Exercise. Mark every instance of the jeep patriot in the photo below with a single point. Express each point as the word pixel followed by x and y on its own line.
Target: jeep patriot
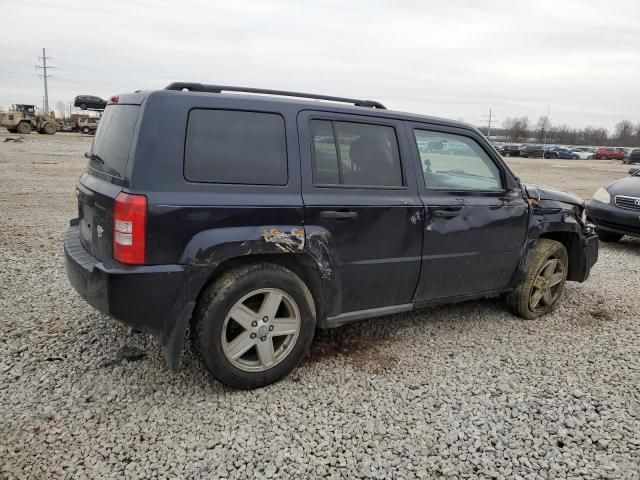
pixel 251 217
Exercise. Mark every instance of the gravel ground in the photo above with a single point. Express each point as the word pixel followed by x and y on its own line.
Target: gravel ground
pixel 462 391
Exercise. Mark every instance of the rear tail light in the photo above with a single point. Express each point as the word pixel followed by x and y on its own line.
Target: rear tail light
pixel 130 228
pixel 113 100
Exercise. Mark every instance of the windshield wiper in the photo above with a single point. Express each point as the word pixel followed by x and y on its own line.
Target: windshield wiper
pixel 94 156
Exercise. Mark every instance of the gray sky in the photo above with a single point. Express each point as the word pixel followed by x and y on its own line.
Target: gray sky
pixel 454 59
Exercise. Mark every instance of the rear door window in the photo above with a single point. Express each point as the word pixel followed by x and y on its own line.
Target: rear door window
pixel 112 144
pixel 236 147
pixel 355 154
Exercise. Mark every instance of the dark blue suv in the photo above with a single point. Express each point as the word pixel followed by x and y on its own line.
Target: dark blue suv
pixel 250 217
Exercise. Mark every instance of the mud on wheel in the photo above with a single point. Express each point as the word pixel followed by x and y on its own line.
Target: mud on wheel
pixel 541 290
pixel 253 325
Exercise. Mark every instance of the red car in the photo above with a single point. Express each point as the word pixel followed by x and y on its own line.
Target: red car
pixel 609 153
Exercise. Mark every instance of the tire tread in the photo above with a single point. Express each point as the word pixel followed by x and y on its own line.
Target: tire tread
pixel 518 299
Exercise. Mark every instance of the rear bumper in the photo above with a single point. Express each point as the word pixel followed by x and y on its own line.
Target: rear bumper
pixel 154 299
pixel 613 219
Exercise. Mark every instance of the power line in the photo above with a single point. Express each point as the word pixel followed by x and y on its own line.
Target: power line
pixel 45 76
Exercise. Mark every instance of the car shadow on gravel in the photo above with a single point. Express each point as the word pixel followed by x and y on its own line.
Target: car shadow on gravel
pixel 372 347
pixel 626 245
pixel 368 345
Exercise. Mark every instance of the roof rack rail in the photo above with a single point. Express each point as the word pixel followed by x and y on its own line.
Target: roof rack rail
pixel 199 87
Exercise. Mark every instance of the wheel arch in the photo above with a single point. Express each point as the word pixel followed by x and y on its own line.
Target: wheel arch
pixel 300 264
pixel 571 241
pixel 558 224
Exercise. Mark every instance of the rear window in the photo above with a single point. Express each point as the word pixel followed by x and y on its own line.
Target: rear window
pixel 113 139
pixel 227 146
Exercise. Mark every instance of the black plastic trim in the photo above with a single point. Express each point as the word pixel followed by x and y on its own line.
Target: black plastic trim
pixel 199 87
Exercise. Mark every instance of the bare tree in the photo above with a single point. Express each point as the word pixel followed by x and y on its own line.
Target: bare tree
pixel 61 109
pixel 507 125
pixel 593 136
pixel 624 133
pixel 542 127
pixel 519 129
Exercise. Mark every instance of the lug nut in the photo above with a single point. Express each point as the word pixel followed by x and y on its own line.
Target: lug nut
pixel 270 328
pixel 253 335
pixel 254 324
pixel 265 319
pixel 263 338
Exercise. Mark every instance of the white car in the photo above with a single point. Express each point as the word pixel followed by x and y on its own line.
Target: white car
pixel 582 155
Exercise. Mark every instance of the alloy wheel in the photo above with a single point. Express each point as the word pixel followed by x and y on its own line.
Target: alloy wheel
pixel 260 330
pixel 548 285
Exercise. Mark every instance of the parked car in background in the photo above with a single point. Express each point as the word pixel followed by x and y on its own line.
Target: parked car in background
pixel 609 153
pixel 562 153
pixel 510 151
pixel 627 151
pixel 531 151
pixel 88 124
pixel 634 156
pixel 582 153
pixel 227 215
pixel 615 208
pixel 89 101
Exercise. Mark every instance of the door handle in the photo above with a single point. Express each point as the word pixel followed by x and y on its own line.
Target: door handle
pixel 338 215
pixel 445 212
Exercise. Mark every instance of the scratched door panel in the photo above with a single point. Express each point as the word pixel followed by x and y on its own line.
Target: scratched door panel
pixel 475 214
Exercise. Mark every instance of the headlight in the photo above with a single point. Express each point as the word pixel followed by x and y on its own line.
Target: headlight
pixel 602 196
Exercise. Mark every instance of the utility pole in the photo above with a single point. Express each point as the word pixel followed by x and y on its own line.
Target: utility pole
pixel 544 141
pixel 489 118
pixel 44 67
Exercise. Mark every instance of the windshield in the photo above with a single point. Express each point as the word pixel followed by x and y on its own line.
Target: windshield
pixel 113 139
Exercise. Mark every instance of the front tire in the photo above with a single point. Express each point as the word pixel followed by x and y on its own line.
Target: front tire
pixel 254 325
pixel 609 236
pixel 86 130
pixel 541 289
pixel 23 128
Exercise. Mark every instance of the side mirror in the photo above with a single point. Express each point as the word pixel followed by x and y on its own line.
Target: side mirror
pixel 634 171
pixel 514 193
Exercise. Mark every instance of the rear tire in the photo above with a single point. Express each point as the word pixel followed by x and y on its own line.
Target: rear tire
pixel 609 236
pixel 507 154
pixel 86 130
pixel 23 128
pixel 542 287
pixel 253 325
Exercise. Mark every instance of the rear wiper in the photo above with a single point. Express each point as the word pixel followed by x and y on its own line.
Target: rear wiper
pixel 93 156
